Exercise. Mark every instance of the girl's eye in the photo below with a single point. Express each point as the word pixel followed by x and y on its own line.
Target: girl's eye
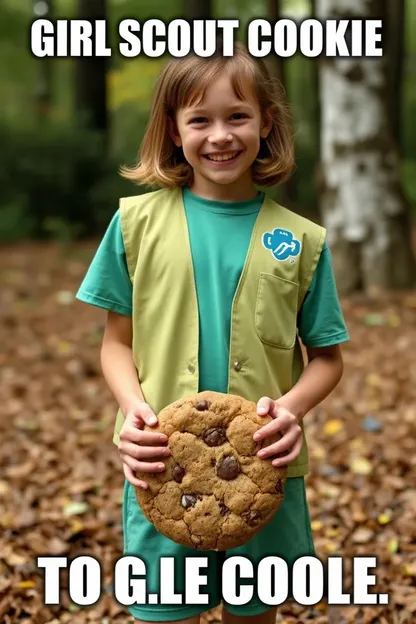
pixel 199 120
pixel 238 116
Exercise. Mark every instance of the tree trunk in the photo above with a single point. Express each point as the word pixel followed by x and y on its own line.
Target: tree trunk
pixel 198 9
pixel 316 100
pixel 362 202
pixel 395 55
pixel 44 10
pixel 287 191
pixel 91 73
pixel 274 8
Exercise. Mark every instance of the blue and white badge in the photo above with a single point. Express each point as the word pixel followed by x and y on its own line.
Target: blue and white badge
pixel 282 244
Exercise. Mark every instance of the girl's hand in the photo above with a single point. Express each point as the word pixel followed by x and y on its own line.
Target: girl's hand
pixel 139 449
pixel 285 423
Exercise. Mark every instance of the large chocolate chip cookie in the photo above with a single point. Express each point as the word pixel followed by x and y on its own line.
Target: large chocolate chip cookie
pixel 215 493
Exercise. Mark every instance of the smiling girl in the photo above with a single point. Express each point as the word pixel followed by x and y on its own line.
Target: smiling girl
pixel 211 285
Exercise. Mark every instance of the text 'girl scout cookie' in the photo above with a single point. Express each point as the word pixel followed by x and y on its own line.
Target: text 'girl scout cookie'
pixel 215 494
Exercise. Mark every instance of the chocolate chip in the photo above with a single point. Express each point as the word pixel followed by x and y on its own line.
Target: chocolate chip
pixel 251 517
pixel 228 468
pixel 213 462
pixel 178 473
pixel 202 406
pixel 279 487
pixel 188 500
pixel 214 436
pixel 223 509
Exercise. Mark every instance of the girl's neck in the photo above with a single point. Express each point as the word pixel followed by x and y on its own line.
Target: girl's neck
pixel 237 191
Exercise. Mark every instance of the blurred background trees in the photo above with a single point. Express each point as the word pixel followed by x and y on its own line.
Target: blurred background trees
pixel 198 9
pixel 362 200
pixel 91 74
pixel 66 125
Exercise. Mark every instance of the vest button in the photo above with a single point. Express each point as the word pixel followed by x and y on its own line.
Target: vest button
pixel 237 366
pixel 191 368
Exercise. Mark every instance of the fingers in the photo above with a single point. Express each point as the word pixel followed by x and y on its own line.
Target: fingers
pixel 148 415
pixel 283 421
pixel 287 459
pixel 146 438
pixel 142 413
pixel 143 466
pixel 287 442
pixel 265 405
pixel 131 478
pixel 269 429
pixel 286 423
pixel 144 452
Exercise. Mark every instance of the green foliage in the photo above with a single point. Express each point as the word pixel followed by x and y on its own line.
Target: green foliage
pixel 56 181
pixel 409 106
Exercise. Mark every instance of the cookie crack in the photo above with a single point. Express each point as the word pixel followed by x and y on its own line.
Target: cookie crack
pixel 201 437
pixel 188 529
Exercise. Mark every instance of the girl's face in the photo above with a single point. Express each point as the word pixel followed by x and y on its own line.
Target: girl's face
pixel 220 138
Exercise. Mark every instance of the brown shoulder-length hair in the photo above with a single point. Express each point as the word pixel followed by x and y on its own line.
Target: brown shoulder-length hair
pixel 182 83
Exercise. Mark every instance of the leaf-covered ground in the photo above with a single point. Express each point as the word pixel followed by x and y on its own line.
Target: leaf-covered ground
pixel 60 475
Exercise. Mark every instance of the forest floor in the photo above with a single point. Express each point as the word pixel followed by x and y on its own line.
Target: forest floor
pixel 61 479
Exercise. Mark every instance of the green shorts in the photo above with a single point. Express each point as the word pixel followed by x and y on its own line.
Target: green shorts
pixel 288 536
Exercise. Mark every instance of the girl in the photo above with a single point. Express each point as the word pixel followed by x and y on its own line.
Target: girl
pixel 210 285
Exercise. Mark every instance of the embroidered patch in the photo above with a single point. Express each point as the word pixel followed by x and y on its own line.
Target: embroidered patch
pixel 282 244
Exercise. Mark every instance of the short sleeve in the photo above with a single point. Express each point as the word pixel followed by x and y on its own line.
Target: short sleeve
pixel 107 282
pixel 320 320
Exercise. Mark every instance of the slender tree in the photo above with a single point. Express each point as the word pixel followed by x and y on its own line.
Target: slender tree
pixel 287 191
pixel 316 100
pixel 274 12
pixel 198 9
pixel 395 57
pixel 91 72
pixel 44 10
pixel 362 202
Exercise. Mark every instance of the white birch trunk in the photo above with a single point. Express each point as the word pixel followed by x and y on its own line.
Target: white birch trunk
pixel 362 204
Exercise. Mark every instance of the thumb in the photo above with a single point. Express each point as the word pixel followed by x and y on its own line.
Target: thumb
pixel 144 413
pixel 264 406
pixel 148 415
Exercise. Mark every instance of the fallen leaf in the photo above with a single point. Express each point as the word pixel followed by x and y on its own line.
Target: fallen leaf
pixel 26 584
pixel 75 508
pixel 394 320
pixel 370 423
pixel 374 320
pixel 333 426
pixel 409 569
pixel 373 380
pixel 65 297
pixel 64 347
pixel 316 525
pixel 393 546
pixel 362 535
pixel 384 518
pixel 14 559
pixel 4 488
pixel 331 547
pixel 361 466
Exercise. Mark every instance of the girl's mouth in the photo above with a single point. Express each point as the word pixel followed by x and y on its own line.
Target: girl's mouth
pixel 223 157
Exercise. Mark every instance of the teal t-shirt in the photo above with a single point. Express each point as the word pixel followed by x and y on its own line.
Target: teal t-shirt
pixel 219 234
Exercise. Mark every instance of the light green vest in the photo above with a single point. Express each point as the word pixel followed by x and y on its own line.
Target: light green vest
pixel 265 357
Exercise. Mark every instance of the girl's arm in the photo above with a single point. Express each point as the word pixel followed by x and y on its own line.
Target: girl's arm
pixel 320 377
pixel 117 361
pixel 139 450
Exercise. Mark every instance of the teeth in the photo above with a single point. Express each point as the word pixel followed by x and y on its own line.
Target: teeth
pixel 221 157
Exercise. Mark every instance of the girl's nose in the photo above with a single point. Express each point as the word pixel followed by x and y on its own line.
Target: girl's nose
pixel 220 134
